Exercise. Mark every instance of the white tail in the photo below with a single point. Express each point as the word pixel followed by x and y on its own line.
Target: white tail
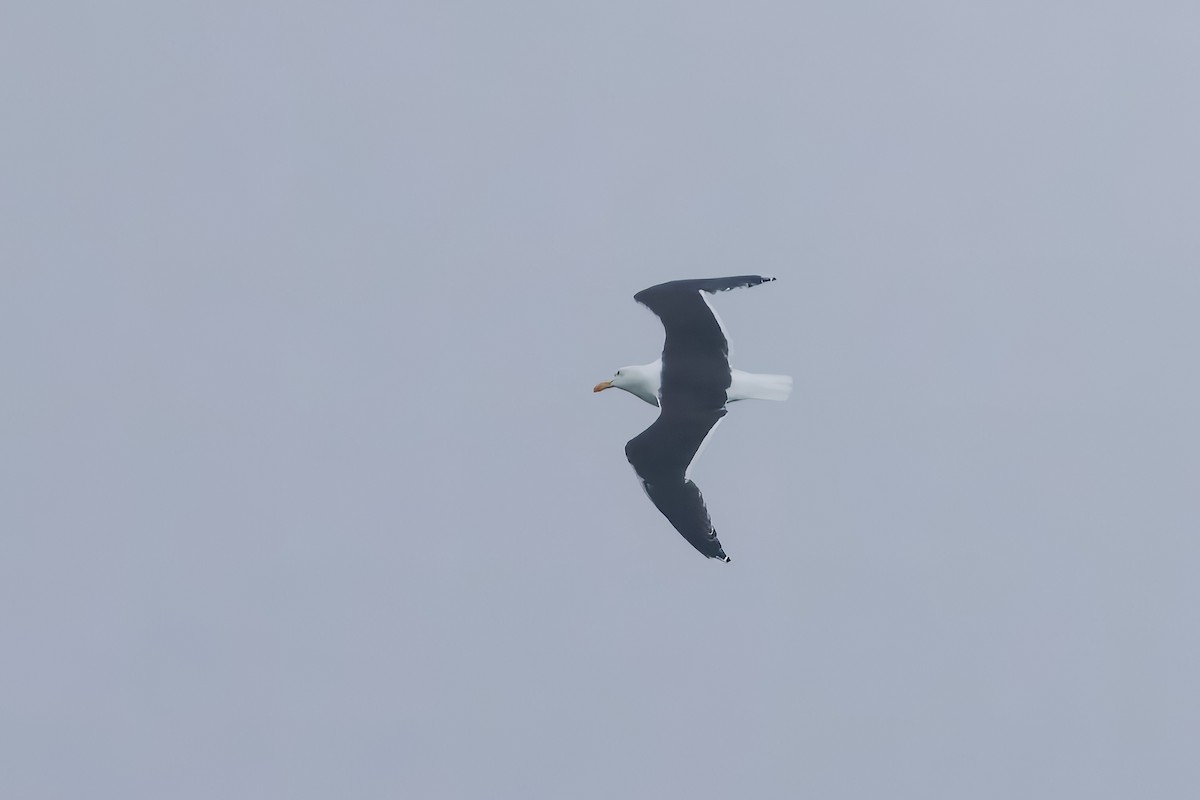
pixel 751 386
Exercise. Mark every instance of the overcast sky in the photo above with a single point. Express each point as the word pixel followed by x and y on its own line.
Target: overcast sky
pixel 304 492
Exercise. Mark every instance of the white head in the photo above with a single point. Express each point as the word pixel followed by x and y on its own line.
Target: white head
pixel 641 381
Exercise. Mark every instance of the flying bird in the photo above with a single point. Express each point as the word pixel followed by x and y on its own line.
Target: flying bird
pixel 690 383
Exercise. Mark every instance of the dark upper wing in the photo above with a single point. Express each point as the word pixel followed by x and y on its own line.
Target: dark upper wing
pixel 695 351
pixel 660 455
pixel 709 285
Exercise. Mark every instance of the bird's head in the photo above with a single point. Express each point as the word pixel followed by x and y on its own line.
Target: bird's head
pixel 642 381
pixel 621 379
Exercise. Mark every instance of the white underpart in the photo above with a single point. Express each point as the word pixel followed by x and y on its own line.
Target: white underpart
pixel 654 380
pixel 754 386
pixel 687 473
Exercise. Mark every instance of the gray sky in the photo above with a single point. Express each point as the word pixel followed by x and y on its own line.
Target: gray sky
pixel 304 492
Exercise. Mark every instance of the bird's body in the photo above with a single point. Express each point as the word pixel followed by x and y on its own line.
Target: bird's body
pixel 691 383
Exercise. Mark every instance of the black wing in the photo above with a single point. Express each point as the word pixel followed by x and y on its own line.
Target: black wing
pixel 695 352
pixel 661 455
